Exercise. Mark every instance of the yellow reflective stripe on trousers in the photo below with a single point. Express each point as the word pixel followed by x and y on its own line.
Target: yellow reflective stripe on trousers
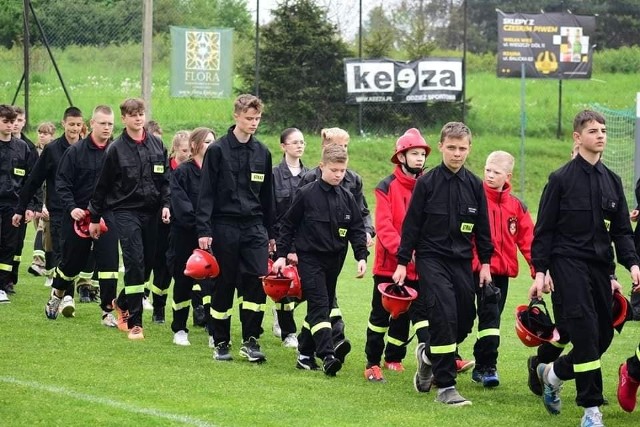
pixel 335 312
pixel 558 344
pixel 58 273
pixel 321 325
pixel 421 324
pixel 395 341
pixel 252 306
pixel 133 289
pixel 180 305
pixel 156 290
pixel 491 332
pixel 219 315
pixel 107 275
pixel 17 258
pixel 305 325
pixel 289 306
pixel 206 299
pixel 196 287
pixel 378 329
pixel 443 349
pixel 86 275
pixel 39 253
pixel 638 353
pixel 6 267
pixel 586 367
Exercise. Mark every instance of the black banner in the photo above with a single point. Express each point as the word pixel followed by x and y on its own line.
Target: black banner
pixel 387 81
pixel 550 45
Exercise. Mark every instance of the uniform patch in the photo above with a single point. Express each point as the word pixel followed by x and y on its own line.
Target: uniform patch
pixel 257 177
pixel 19 172
pixel 607 224
pixel 342 232
pixel 466 227
pixel 513 225
pixel 158 168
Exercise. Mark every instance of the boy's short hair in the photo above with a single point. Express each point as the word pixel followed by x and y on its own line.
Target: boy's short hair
pixel 19 110
pixel 72 112
pixel 103 109
pixel 197 137
pixel 132 106
pixel 245 102
pixel 181 135
pixel 8 112
pixel 506 160
pixel 153 127
pixel 584 117
pixel 330 135
pixel 455 130
pixel 334 153
pixel 47 127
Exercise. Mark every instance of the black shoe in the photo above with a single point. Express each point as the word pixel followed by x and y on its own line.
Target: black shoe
pixel 222 352
pixel 534 381
pixel 84 293
pixel 308 364
pixel 251 350
pixel 342 349
pixel 158 316
pixel 10 288
pixel 199 318
pixel 331 365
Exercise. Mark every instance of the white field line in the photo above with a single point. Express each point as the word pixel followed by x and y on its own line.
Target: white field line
pixel 108 402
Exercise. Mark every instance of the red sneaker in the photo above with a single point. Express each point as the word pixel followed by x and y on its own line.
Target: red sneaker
pixel 123 317
pixel 394 366
pixel 374 374
pixel 464 365
pixel 627 389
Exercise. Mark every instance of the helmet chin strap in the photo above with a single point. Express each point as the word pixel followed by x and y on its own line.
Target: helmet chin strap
pixel 414 171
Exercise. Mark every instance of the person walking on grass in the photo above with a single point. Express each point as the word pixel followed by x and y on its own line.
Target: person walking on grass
pixel 448 210
pixel 134 185
pixel 322 220
pixel 234 218
pixel 392 199
pixel 582 211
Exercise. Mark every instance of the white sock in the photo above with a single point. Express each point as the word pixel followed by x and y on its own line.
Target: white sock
pixel 592 410
pixel 552 378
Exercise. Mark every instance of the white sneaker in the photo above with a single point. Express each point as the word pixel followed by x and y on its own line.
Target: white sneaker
pixel 48 281
pixel 212 344
pixel 291 341
pixel 181 338
pixel 109 320
pixel 277 332
pixel 4 298
pixel 146 304
pixel 68 307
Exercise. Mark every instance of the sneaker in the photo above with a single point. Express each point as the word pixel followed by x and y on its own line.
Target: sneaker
pixel 158 316
pixel 534 382
pixel 4 298
pixel 37 270
pixel 550 393
pixel 627 389
pixel 342 349
pixel 451 397
pixel 331 365
pixel 592 420
pixel 109 320
pixel 123 316
pixel 307 363
pixel 52 308
pixel 85 296
pixel 181 338
pixel 212 343
pixel 477 374
pixel 222 352
pixel 374 374
pixel 394 366
pixel 136 333
pixel 146 304
pixel 68 307
pixel 251 350
pixel 48 281
pixel 490 378
pixel 291 341
pixel 464 365
pixel 277 332
pixel 199 318
pixel 423 379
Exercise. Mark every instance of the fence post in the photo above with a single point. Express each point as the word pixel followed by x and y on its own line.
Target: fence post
pixel 26 42
pixel 147 54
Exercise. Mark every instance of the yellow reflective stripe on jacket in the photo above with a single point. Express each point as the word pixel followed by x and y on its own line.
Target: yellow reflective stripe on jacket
pixel 378 329
pixel 156 290
pixel 107 275
pixel 252 306
pixel 206 299
pixel 558 344
pixel 180 305
pixel 6 267
pixel 395 341
pixel 586 367
pixel 490 332
pixel 321 325
pixel 421 324
pixel 443 349
pixel 134 289
pixel 305 325
pixel 58 273
pixel 17 258
pixel 335 312
pixel 289 306
pixel 196 287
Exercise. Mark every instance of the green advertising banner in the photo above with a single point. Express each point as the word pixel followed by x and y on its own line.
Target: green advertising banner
pixel 201 62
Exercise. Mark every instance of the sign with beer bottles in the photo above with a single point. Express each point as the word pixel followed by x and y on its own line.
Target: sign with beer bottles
pixel 550 45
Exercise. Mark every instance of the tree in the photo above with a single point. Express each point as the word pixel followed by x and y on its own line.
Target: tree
pixel 416 22
pixel 301 68
pixel 379 34
pixel 10 22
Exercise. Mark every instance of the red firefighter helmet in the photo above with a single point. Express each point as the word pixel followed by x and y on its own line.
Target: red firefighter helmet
pixel 396 299
pixel 202 265
pixel 81 227
pixel 411 139
pixel 291 271
pixel 276 286
pixel 620 307
pixel 534 325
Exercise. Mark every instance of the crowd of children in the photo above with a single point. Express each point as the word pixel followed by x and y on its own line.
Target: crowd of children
pixel 444 232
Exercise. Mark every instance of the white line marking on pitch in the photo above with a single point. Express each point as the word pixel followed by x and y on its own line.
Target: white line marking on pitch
pixel 108 402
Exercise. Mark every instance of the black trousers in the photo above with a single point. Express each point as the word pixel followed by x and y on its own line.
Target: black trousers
pixel 485 349
pixel 633 365
pixel 9 241
pixel 319 275
pixel 242 253
pixel 381 324
pixel 161 276
pixel 583 290
pixel 17 258
pixel 284 312
pixel 137 236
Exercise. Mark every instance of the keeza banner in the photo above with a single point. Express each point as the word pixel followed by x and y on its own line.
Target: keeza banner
pixel 201 63
pixel 550 45
pixel 385 80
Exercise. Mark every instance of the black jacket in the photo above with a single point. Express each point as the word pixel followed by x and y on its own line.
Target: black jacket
pixel 135 176
pixel 16 163
pixel 446 211
pixel 284 187
pixel 185 190
pixel 236 186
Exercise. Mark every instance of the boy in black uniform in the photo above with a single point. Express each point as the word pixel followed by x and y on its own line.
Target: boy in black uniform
pixel 582 211
pixel 77 175
pixel 16 162
pixel 134 184
pixel 234 217
pixel 448 209
pixel 322 218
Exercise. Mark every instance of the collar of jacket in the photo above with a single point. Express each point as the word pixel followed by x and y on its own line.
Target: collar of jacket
pixel 284 168
pixel 588 167
pixel 234 143
pixel 405 180
pixel 495 195
pixel 448 174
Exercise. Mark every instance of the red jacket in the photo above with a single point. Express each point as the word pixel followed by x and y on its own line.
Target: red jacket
pixel 511 228
pixel 392 200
